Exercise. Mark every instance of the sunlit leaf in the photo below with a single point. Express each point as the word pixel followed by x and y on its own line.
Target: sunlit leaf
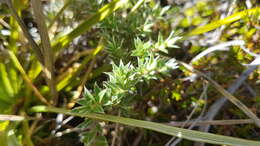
pixel 35 70
pixel 3 125
pixel 5 80
pixel 227 20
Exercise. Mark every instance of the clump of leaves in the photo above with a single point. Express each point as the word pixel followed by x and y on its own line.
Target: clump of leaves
pixel 121 29
pixel 134 62
pixel 124 77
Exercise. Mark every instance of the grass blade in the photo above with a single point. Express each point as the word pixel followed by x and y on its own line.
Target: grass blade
pixel 137 5
pixel 48 67
pixel 162 128
pixel 35 69
pixel 227 20
pixel 19 67
pixel 34 45
pixel 5 81
pixel 4 97
pixel 87 24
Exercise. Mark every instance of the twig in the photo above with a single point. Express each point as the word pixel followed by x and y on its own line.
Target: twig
pixel 41 125
pixel 215 108
pixel 86 76
pixel 138 138
pixel 26 78
pixel 76 57
pixel 61 123
pixel 77 71
pixel 2 22
pixel 81 87
pixel 11 118
pixel 226 94
pixel 251 91
pixel 248 51
pixel 116 131
pixel 67 131
pixel 203 95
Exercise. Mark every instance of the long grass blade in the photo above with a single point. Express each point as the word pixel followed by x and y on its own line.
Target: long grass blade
pixel 162 128
pixel 227 20
pixel 48 67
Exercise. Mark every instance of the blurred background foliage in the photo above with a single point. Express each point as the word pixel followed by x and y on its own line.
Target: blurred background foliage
pixel 125 36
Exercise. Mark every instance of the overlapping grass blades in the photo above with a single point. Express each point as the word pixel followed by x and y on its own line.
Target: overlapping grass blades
pixel 19 67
